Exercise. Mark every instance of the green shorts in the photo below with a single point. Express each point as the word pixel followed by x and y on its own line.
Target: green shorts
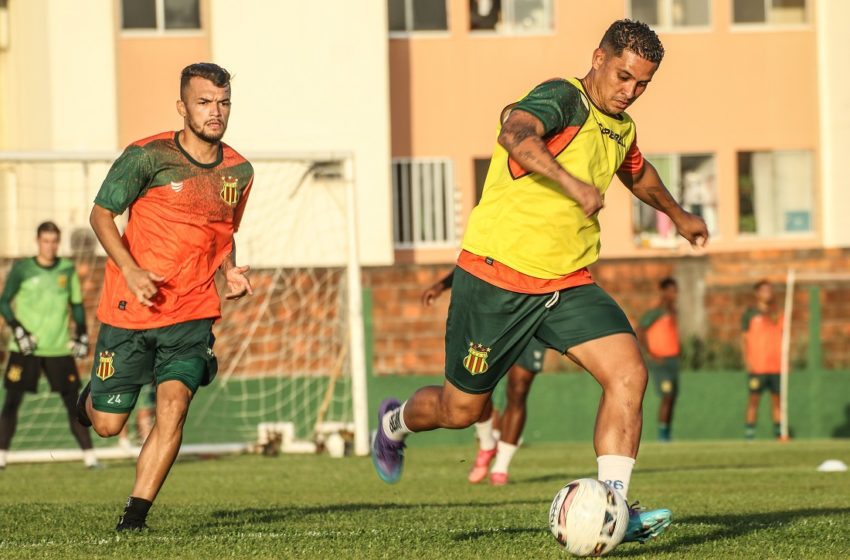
pixel 531 359
pixel 665 375
pixel 126 360
pixel 760 382
pixel 488 328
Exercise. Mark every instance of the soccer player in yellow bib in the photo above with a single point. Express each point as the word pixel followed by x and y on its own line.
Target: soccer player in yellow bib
pixel 522 270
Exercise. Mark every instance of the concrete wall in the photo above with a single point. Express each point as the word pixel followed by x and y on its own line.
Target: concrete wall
pixel 834 83
pixel 314 79
pixel 59 94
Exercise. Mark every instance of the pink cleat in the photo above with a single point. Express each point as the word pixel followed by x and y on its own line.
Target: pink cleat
pixel 498 478
pixel 482 465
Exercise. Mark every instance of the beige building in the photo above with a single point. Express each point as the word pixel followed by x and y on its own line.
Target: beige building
pixel 307 84
pixel 746 120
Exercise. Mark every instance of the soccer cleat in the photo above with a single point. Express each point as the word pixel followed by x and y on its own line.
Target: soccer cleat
pixel 130 525
pixel 498 478
pixel 82 416
pixel 482 465
pixel 387 455
pixel 646 524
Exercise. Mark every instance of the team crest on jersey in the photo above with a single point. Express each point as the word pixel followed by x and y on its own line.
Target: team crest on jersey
pixel 62 281
pixel 475 361
pixel 104 366
pixel 230 190
pixel 14 374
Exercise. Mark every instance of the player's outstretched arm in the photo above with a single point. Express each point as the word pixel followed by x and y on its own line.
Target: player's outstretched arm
pixel 141 282
pixel 238 284
pixel 648 187
pixel 522 136
pixel 430 295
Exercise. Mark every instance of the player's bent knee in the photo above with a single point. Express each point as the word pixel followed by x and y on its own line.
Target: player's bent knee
pixel 109 425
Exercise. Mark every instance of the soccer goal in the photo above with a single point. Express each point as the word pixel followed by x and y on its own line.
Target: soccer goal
pixel 291 358
pixel 818 284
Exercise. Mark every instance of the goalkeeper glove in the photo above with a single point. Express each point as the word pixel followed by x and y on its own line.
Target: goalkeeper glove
pixel 80 346
pixel 26 341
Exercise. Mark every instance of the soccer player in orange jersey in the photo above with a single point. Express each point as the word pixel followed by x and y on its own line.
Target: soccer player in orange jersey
pixel 186 191
pixel 658 333
pixel 761 343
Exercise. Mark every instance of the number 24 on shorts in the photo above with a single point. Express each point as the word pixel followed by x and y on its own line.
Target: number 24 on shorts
pixel 114 399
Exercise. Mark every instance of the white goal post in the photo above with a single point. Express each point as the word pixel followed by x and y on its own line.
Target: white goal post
pixel 792 279
pixel 301 225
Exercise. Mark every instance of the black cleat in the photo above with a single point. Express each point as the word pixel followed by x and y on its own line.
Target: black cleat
pixel 82 416
pixel 131 525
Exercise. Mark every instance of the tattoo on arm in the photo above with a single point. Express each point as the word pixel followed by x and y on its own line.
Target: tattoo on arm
pixel 515 133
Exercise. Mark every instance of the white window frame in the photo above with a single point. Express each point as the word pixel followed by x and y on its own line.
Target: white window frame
pixel 512 31
pixel 410 188
pixel 767 26
pixel 408 23
pixel 160 24
pixel 653 241
pixel 668 13
pixel 813 232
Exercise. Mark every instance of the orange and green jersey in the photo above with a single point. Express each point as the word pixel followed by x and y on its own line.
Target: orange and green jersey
pixel 182 218
pixel 525 221
pixel 763 332
pixel 662 332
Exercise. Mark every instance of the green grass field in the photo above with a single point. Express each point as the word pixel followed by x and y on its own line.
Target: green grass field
pixel 730 500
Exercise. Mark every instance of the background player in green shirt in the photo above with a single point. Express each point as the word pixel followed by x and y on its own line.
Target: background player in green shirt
pixel 34 303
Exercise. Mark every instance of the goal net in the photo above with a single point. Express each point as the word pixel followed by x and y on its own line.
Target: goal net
pixel 291 361
pixel 813 301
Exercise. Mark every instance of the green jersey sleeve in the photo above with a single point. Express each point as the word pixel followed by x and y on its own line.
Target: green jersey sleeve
pixel 126 180
pixel 75 293
pixel 650 317
pixel 557 103
pixel 13 283
pixel 747 317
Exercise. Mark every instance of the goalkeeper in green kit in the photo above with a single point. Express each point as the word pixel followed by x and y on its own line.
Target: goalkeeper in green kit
pixel 34 303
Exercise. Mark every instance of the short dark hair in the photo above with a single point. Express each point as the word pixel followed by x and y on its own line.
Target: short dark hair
pixel 760 283
pixel 636 36
pixel 206 70
pixel 666 282
pixel 47 227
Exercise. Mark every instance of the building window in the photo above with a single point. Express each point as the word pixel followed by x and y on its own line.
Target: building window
pixel 482 166
pixel 160 15
pixel 510 16
pixel 417 15
pixel 774 192
pixel 672 14
pixel 691 179
pixel 774 12
pixel 424 203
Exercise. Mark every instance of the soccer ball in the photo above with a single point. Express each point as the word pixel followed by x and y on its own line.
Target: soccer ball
pixel 588 517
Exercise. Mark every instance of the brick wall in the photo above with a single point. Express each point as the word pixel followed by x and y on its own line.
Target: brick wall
pixel 716 289
pixel 409 338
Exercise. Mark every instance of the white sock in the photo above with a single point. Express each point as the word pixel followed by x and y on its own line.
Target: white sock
pixel 616 471
pixel 2 458
pixel 393 424
pixel 484 431
pixel 503 457
pixel 89 457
